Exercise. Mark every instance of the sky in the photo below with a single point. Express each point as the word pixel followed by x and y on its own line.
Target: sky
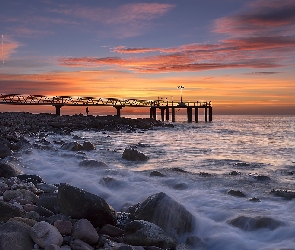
pixel 238 54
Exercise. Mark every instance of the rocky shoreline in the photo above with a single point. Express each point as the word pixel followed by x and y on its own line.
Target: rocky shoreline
pixel 39 215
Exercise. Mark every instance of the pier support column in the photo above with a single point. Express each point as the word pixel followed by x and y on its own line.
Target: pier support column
pixel 167 114
pixel 57 109
pixel 162 113
pixel 118 108
pixel 173 114
pixel 153 113
pixel 206 119
pixel 196 114
pixel 210 114
pixel 189 114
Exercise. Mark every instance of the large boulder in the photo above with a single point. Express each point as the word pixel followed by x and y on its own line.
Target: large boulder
pixel 131 154
pixel 165 212
pixel 80 204
pixel 255 223
pixel 139 232
pixel 91 163
pixel 15 235
pixel 88 146
pixel 7 211
pixel 45 234
pixel 8 170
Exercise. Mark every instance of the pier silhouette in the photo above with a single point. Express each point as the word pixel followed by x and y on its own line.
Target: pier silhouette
pixel 166 108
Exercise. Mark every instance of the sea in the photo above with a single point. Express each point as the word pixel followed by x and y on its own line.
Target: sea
pixel 200 163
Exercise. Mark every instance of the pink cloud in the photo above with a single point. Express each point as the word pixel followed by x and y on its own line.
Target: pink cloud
pixel 8 48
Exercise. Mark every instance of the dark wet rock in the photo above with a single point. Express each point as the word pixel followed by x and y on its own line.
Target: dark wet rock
pixel 156 173
pixel 15 235
pixel 46 188
pixel 35 179
pixel 251 224
pixel 111 230
pixel 72 146
pixel 255 199
pixel 180 186
pixel 79 204
pixel 8 211
pixel 195 242
pixel 77 244
pixel 84 230
pixel 48 201
pixel 234 173
pixel 179 170
pixel 43 211
pixel 259 177
pixel 52 247
pixel 29 222
pixel 4 150
pixel 8 170
pixel 145 233
pixel 204 174
pixel 93 164
pixel 236 193
pixel 88 146
pixel 45 234
pixel 164 212
pixel 131 154
pixel 242 164
pixel 287 194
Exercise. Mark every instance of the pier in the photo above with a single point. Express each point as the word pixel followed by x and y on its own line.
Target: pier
pixel 167 108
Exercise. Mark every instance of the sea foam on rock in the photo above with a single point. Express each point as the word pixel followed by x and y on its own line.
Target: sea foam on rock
pixel 165 212
pixel 80 204
pixel 148 234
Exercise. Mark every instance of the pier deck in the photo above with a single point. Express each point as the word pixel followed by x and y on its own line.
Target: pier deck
pixel 166 107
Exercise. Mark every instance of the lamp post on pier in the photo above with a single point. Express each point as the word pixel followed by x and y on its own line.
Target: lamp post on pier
pixel 181 88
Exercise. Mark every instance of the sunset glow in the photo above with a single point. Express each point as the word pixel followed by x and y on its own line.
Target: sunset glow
pixel 238 54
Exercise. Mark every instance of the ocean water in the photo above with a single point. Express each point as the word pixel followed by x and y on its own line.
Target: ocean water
pixel 196 159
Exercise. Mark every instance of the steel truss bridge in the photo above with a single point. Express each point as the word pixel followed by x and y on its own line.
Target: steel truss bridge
pixel 59 101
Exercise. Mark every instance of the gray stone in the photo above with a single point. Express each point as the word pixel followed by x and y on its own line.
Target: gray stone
pixel 29 196
pixel 144 233
pixel 255 223
pixel 4 150
pixel 45 234
pixel 88 146
pixel 12 194
pixel 8 211
pixel 85 231
pixel 80 204
pixel 8 170
pixel 131 154
pixel 64 227
pixel 15 235
pixel 165 212
pixel 77 244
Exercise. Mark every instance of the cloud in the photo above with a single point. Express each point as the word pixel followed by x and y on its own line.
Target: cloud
pixel 261 18
pixel 264 73
pixel 8 47
pixel 127 20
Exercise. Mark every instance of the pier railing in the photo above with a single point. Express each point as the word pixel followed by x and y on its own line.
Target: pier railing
pixel 59 101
